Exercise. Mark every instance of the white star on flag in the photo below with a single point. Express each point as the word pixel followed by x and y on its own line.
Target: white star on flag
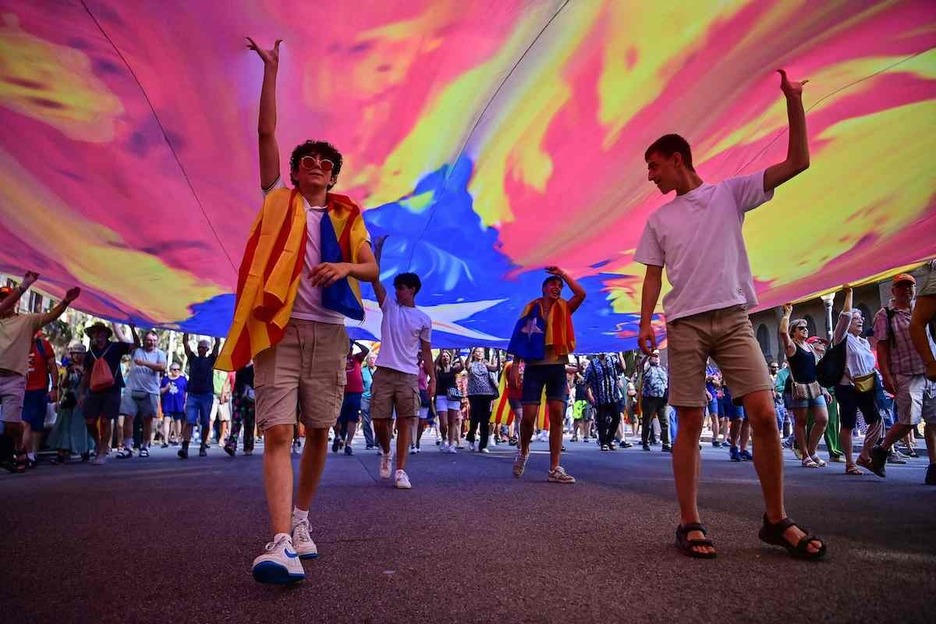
pixel 531 328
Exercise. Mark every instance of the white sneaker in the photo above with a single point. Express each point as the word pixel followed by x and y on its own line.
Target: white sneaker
pixel 520 464
pixel 471 446
pixel 385 465
pixel 485 451
pixel 279 565
pixel 453 449
pixel 444 447
pixel 412 450
pixel 559 475
pixel 302 541
pixel 402 481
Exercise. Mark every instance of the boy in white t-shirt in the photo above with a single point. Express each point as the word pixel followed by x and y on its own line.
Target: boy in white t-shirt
pixel 405 331
pixel 706 314
pixel 298 344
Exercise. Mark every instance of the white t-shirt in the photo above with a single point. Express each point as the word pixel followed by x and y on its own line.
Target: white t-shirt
pixel 697 237
pixel 308 305
pixel 401 330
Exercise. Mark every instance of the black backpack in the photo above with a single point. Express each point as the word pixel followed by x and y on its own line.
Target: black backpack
pixel 831 368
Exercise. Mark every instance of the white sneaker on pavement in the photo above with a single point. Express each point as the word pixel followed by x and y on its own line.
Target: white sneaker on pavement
pixel 485 451
pixel 520 464
pixel 559 475
pixel 471 447
pixel 402 481
pixel 385 465
pixel 302 541
pixel 279 564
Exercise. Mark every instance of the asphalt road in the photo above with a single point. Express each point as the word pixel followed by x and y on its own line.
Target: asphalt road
pixel 160 540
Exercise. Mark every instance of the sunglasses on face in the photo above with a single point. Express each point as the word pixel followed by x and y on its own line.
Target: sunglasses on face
pixel 309 162
pixel 174 370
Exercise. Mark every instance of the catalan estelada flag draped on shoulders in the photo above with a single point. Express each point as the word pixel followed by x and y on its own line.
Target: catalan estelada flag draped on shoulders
pixel 272 266
pixel 534 333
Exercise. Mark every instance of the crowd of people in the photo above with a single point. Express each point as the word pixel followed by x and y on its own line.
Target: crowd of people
pixel 289 373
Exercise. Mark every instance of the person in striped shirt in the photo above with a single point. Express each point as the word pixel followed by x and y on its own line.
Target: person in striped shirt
pixel 904 375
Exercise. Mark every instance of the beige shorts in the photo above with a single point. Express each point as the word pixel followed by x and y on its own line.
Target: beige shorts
pixel 915 400
pixel 12 392
pixel 726 336
pixel 394 390
pixel 220 411
pixel 306 369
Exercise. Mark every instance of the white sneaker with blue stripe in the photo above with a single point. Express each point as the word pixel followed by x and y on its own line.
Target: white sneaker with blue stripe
pixel 302 541
pixel 280 564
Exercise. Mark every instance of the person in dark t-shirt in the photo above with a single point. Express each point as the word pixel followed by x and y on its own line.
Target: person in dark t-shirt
pixel 200 393
pixel 101 404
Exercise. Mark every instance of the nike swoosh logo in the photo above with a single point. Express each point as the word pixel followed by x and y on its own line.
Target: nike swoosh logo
pixel 291 555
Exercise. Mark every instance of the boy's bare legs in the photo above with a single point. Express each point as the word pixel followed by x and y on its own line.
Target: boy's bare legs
pixel 768 459
pixel 527 425
pixel 404 428
pixel 311 464
pixel 686 469
pixel 278 476
pixel 768 462
pixel 556 413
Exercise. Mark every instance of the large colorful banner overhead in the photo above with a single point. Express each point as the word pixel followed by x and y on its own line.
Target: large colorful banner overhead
pixel 486 138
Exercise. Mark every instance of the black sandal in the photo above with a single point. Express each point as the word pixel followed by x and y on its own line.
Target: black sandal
pixel 688 546
pixel 772 533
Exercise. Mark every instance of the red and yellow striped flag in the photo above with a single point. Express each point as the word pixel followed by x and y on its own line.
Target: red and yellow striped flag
pixel 503 415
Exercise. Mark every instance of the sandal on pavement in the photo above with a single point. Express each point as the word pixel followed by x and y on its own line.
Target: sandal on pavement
pixel 809 463
pixel 688 546
pixel 852 469
pixel 772 533
pixel 819 461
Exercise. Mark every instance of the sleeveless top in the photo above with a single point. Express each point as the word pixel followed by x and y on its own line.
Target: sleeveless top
pixel 444 380
pixel 803 365
pixel 478 379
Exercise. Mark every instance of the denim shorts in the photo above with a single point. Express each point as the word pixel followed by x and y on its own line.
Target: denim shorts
pixel 819 401
pixel 443 405
pixel 552 377
pixel 727 409
pixel 198 408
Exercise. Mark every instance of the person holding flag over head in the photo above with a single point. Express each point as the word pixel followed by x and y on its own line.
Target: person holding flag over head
pixel 542 339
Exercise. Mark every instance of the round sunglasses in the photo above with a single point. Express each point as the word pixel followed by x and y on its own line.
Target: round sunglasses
pixel 310 162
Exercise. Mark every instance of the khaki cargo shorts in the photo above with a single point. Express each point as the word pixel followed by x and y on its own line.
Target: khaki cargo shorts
pixel 305 370
pixel 393 389
pixel 915 400
pixel 726 336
